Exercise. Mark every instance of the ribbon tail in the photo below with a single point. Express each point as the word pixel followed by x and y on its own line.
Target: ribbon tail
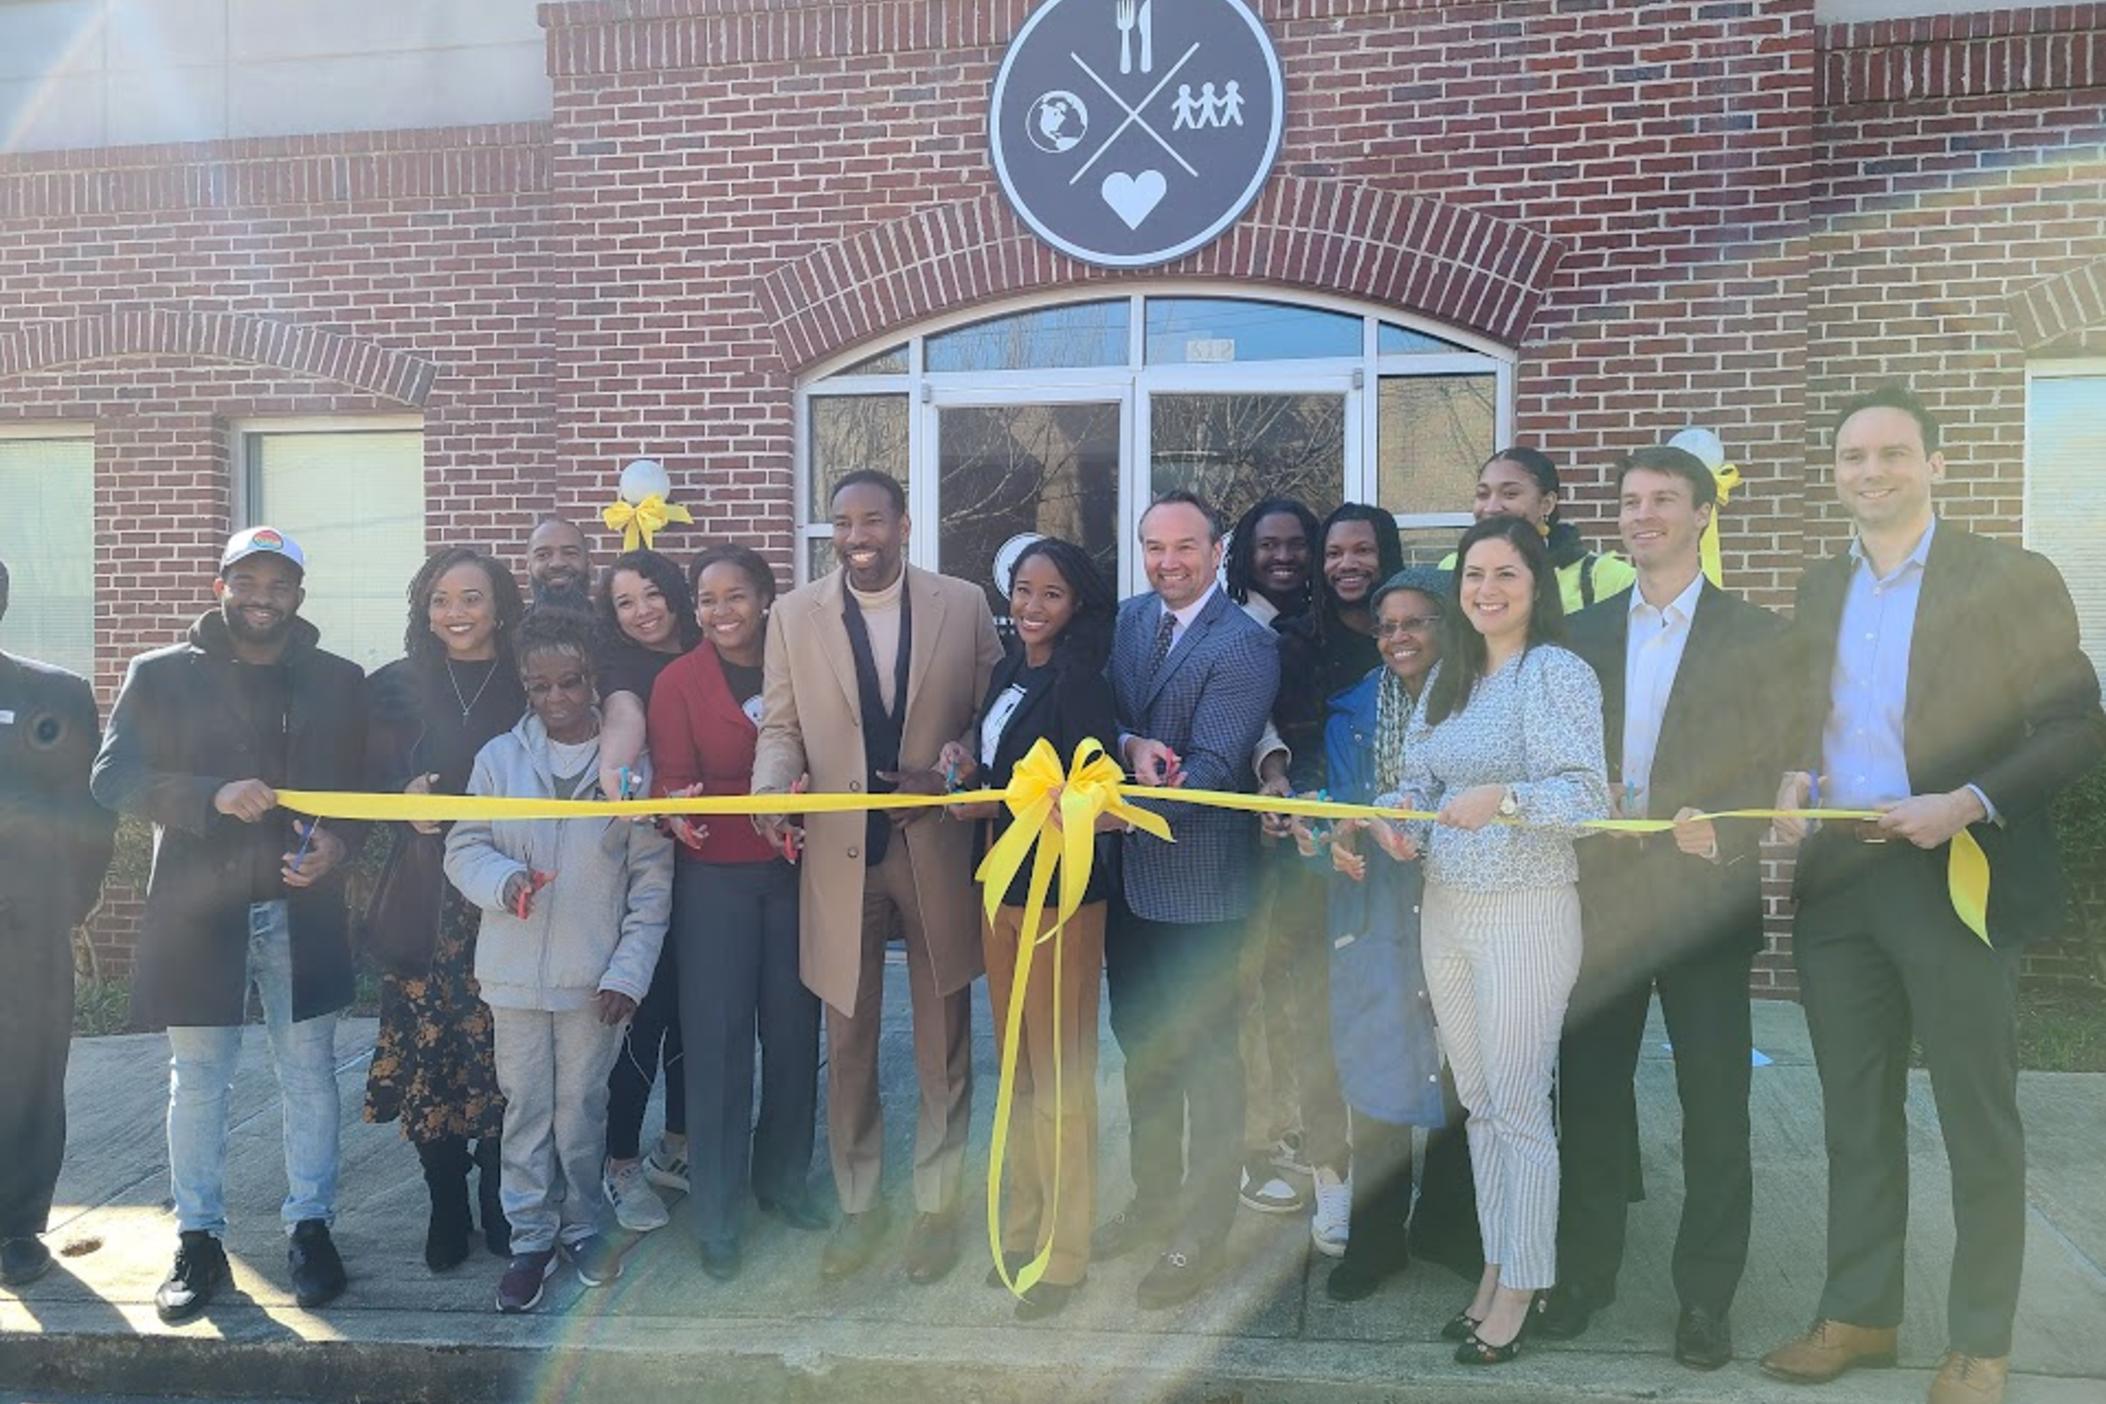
pixel 1707 552
pixel 1047 857
pixel 1967 880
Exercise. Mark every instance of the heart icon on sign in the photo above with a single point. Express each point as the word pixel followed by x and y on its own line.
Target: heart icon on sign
pixel 1133 198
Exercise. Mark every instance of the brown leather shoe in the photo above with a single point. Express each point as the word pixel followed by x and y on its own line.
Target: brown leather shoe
pixel 932 1248
pixel 1828 1349
pixel 1970 1379
pixel 851 1245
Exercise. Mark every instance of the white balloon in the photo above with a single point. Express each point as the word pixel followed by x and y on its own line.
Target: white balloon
pixel 1704 444
pixel 646 477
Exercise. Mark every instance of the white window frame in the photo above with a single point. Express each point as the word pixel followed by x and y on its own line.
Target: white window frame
pixel 2071 368
pixel 243 469
pixel 1131 384
pixel 66 429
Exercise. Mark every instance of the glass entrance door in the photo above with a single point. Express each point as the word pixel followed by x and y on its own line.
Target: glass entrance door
pixel 1041 461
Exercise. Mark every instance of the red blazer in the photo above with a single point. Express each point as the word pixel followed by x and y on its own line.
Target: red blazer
pixel 699 733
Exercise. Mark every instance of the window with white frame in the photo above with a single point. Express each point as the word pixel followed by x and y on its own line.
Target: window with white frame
pixel 2065 518
pixel 1067 414
pixel 351 492
pixel 47 539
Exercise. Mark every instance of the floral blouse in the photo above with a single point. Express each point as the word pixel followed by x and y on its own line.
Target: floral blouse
pixel 1534 725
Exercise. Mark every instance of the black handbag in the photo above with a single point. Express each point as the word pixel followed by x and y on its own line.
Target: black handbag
pixel 402 919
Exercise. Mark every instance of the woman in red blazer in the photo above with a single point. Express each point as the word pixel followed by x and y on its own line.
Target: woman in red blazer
pixel 735 922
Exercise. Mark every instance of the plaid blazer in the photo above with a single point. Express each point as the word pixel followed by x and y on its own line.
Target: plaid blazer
pixel 1208 702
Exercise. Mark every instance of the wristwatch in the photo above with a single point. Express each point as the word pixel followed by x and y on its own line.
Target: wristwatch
pixel 1507 807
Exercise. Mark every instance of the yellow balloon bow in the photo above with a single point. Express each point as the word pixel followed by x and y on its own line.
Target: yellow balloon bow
pixel 1054 818
pixel 638 524
pixel 1727 476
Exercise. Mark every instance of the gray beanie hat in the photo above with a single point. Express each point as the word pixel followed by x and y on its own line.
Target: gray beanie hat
pixel 1430 581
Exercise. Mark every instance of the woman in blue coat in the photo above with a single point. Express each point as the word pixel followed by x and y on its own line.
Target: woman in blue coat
pixel 1381 1021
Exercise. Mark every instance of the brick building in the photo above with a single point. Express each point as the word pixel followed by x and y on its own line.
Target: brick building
pixel 416 278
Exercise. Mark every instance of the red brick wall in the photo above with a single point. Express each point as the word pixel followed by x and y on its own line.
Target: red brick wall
pixel 160 293
pixel 1750 217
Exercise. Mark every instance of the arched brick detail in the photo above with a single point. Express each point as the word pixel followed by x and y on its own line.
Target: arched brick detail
pixel 2047 312
pixel 354 361
pixel 1456 266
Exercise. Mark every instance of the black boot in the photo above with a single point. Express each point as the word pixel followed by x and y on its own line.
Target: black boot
pixel 489 1168
pixel 446 1176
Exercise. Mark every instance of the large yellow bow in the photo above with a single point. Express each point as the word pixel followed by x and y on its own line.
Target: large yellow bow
pixel 1727 476
pixel 643 521
pixel 1054 818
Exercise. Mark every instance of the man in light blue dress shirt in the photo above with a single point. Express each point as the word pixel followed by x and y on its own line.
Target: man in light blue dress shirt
pixel 1939 681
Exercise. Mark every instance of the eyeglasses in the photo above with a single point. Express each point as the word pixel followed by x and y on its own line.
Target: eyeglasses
pixel 1415 624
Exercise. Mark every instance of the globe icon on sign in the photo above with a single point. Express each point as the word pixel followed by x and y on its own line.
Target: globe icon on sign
pixel 1057 121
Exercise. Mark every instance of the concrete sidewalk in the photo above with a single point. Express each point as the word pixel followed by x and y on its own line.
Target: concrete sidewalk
pixel 1268 1332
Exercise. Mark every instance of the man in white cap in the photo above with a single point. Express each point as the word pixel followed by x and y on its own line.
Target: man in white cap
pixel 203 735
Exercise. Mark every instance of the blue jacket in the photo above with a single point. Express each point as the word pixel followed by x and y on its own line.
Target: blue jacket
pixel 1382 1033
pixel 1208 702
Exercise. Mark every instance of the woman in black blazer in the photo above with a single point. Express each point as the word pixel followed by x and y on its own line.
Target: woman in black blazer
pixel 1051 686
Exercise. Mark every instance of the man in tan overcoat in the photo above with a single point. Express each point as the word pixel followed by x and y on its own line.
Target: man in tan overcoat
pixel 869 672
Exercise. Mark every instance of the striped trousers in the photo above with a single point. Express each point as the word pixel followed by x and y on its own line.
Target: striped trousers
pixel 1499 969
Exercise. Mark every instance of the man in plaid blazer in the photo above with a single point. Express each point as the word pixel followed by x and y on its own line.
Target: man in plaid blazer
pixel 1194 678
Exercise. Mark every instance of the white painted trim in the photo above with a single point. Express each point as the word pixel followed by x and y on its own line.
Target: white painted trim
pixel 47 429
pixel 2064 369
pixel 1131 385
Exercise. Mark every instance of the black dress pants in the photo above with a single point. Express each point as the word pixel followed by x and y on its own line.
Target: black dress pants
pixel 736 927
pixel 1175 1012
pixel 36 1031
pixel 1705 1000
pixel 1882 956
pixel 654 1030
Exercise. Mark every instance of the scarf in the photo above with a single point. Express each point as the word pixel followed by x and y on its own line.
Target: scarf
pixel 1392 713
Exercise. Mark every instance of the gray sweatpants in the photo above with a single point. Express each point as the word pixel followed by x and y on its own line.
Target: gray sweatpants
pixel 552 1068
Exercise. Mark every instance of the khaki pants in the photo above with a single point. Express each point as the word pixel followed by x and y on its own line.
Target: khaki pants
pixel 1290 1077
pixel 1039 1141
pixel 855 1125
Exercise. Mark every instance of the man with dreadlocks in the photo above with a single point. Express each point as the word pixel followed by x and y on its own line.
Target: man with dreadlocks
pixel 1268 573
pixel 1325 648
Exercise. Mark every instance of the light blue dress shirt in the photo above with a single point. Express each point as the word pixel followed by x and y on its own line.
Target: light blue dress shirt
pixel 1863 760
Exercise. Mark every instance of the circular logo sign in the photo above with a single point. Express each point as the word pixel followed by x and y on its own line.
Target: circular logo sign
pixel 1130 132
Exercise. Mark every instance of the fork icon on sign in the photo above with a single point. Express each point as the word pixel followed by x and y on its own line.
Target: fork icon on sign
pixel 1123 16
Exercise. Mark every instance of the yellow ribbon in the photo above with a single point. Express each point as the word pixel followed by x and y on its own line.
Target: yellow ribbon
pixel 1054 816
pixel 643 521
pixel 1727 476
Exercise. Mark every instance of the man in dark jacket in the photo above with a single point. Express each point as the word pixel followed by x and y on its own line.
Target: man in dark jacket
pixel 1936 677
pixel 1688 731
pixel 202 736
pixel 54 846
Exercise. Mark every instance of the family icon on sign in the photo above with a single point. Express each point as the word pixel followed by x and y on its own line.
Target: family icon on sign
pixel 1207 110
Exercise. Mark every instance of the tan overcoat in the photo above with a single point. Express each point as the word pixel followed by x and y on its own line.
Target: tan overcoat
pixel 812 724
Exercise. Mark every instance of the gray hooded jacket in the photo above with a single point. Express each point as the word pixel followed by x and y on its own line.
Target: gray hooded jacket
pixel 598 925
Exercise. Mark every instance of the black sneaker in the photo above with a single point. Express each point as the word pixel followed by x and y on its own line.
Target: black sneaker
pixel 317 1270
pixel 520 1288
pixel 200 1271
pixel 23 1261
pixel 598 1260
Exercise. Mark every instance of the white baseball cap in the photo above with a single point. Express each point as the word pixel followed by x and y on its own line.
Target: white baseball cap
pixel 259 540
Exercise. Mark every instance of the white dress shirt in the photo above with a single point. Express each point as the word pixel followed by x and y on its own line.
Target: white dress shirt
pixel 1650 660
pixel 1185 616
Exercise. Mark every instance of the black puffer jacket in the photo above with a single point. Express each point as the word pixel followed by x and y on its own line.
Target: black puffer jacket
pixel 180 730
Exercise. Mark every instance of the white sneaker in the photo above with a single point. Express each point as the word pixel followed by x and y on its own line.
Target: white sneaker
pixel 637 1206
pixel 666 1168
pixel 1269 1193
pixel 1334 1212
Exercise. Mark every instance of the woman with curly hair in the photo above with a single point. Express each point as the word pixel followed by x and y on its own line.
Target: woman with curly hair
pixel 647 620
pixel 454 689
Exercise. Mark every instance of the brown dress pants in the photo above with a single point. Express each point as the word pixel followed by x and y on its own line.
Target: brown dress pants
pixel 1040 1142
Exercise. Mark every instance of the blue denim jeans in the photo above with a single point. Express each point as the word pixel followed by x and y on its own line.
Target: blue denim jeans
pixel 201 1080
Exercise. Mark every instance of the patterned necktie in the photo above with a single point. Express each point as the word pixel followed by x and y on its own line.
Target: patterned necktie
pixel 1164 632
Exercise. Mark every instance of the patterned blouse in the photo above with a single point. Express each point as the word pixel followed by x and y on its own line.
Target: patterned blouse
pixel 1534 725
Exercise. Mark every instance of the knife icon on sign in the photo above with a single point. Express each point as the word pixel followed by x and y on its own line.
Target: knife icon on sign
pixel 1147 36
